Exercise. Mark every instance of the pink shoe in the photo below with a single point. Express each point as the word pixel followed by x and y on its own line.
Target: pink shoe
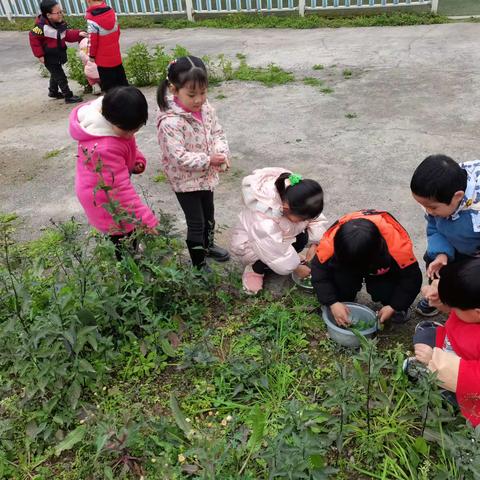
pixel 252 282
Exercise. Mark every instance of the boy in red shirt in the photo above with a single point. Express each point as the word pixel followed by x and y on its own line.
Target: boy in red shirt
pixel 48 42
pixel 104 46
pixel 453 350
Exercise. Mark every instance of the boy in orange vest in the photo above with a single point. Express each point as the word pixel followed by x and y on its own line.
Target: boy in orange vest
pixel 369 246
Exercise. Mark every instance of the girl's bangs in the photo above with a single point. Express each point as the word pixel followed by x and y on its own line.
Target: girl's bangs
pixel 196 77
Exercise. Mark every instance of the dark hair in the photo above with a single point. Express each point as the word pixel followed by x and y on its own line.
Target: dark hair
pixel 180 72
pixel 46 6
pixel 125 107
pixel 304 199
pixel 358 243
pixel 438 178
pixel 459 285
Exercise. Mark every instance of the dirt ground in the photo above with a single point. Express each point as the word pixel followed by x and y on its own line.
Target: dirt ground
pixel 413 91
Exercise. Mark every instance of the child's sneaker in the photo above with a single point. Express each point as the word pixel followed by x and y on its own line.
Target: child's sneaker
pixel 73 99
pixel 56 95
pixel 252 282
pixel 424 309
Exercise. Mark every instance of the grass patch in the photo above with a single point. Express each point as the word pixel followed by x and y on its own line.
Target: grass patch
pixel 327 90
pixel 241 20
pixel 140 368
pixel 347 73
pixel 269 76
pixel 318 66
pixel 160 178
pixel 220 96
pixel 313 82
pixel 350 115
pixel 52 153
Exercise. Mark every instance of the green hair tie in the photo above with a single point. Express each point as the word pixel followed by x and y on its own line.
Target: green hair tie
pixel 294 178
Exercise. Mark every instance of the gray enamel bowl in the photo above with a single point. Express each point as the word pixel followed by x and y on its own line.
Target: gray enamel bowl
pixel 344 336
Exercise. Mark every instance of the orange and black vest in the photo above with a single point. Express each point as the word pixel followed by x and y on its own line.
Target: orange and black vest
pixel 396 237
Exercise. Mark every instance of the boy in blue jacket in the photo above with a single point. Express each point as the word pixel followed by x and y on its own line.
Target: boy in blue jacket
pixel 450 195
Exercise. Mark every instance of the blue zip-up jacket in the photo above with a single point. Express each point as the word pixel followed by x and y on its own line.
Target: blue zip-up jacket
pixel 461 231
pixel 445 235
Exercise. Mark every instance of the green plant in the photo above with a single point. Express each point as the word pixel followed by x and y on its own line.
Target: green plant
pixel 351 115
pixel 347 73
pixel 327 90
pixel 140 66
pixel 318 66
pixel 52 153
pixel 75 68
pixel 313 82
pixel 272 75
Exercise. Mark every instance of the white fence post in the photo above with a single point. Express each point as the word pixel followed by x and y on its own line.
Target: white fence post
pixel 301 7
pixel 189 8
pixel 8 10
pixel 434 6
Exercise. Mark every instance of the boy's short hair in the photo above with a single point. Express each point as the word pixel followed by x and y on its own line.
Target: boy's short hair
pixel 46 6
pixel 438 178
pixel 125 107
pixel 358 243
pixel 459 285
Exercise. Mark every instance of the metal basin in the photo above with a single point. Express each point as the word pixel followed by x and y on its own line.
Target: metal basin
pixel 344 336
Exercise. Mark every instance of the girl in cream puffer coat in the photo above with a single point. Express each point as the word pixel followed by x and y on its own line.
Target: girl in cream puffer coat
pixel 280 217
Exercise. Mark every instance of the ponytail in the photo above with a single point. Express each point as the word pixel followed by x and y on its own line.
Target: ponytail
pixel 303 196
pixel 162 95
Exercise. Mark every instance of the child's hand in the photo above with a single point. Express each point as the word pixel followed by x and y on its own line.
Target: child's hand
pixel 302 271
pixel 430 292
pixel 434 268
pixel 340 313
pixel 385 313
pixel 217 159
pixel 138 168
pixel 41 60
pixel 447 365
pixel 312 249
pixel 83 34
pixel 423 352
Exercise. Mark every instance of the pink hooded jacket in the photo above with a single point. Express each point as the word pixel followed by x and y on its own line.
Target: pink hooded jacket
pixel 186 145
pixel 263 233
pixel 118 156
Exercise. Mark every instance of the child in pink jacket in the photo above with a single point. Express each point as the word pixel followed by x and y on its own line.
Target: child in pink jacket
pixel 107 157
pixel 194 151
pixel 280 217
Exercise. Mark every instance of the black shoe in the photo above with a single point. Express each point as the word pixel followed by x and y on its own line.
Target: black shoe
pixel 56 96
pixel 217 253
pixel 73 99
pixel 400 317
pixel 424 309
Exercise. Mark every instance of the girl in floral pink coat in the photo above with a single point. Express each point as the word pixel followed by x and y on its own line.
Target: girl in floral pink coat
pixel 194 151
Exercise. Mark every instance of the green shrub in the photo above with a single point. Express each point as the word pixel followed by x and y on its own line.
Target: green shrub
pixel 75 68
pixel 140 66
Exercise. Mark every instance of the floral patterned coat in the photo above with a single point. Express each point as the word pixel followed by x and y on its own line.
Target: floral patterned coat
pixel 186 145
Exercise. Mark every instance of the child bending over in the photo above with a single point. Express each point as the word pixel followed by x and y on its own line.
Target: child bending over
pixel 280 217
pixel 369 246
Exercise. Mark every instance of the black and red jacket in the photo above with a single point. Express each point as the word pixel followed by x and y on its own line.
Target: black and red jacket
pixel 397 260
pixel 103 36
pixel 49 40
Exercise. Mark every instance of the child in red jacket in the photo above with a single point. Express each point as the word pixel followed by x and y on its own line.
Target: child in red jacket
pixel 48 42
pixel 104 35
pixel 453 350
